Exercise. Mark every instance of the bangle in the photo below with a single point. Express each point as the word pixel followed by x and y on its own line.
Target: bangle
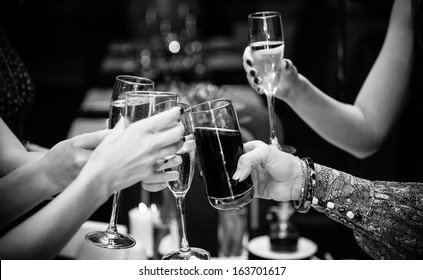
pixel 299 204
pixel 307 191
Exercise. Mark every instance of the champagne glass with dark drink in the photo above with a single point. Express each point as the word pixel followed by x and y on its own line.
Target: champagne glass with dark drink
pixel 267 48
pixel 179 188
pixel 219 145
pixel 111 238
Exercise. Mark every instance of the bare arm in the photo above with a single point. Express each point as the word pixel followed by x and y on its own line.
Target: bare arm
pixel 123 158
pixel 13 153
pixel 358 128
pixel 361 128
pixel 29 178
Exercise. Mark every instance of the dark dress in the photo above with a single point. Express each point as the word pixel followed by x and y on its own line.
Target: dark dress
pixel 17 92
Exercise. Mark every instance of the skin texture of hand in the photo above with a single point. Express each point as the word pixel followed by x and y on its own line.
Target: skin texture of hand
pixel 64 161
pixel 276 175
pixel 39 177
pixel 124 157
pixel 131 155
pixel 156 182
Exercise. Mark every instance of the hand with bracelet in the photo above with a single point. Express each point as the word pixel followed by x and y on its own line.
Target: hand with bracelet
pixel 386 217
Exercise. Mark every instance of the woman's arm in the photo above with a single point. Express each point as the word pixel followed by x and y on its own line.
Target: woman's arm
pixel 31 178
pixel 123 158
pixel 357 128
pixel 13 153
pixel 387 217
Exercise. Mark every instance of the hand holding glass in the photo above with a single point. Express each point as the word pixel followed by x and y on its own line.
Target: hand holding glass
pixel 267 48
pixel 111 238
pixel 219 145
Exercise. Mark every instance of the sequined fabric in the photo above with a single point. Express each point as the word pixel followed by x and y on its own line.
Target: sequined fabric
pixel 386 217
pixel 17 92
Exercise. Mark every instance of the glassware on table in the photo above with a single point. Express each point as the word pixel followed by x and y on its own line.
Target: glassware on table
pixel 267 48
pixel 219 145
pixel 179 188
pixel 232 234
pixel 111 238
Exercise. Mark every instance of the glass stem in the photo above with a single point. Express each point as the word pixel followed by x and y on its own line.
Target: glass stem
pixel 180 207
pixel 271 107
pixel 112 228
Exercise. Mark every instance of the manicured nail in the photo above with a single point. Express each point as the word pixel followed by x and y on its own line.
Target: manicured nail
pixel 182 111
pixel 166 161
pixel 253 73
pixel 249 62
pixel 257 81
pixel 183 139
pixel 287 64
pixel 237 175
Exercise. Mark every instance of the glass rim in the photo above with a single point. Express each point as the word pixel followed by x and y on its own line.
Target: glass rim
pixel 264 14
pixel 229 102
pixel 156 93
pixel 142 80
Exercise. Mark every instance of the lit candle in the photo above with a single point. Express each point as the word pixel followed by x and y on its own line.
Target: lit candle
pixel 141 227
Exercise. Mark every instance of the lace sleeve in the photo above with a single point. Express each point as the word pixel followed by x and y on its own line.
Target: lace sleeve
pixel 387 217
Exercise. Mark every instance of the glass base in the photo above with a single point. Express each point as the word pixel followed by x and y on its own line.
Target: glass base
pixel 110 240
pixel 232 203
pixel 191 254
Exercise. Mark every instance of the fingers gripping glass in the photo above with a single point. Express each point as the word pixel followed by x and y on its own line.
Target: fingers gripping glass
pixel 111 238
pixel 267 48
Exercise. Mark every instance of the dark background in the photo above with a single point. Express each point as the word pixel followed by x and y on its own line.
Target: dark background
pixel 64 41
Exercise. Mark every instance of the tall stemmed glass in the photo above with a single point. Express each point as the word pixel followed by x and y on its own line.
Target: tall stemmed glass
pixel 267 47
pixel 111 238
pixel 179 188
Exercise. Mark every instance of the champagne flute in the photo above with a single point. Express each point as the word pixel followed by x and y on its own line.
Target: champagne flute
pixel 111 238
pixel 179 188
pixel 267 47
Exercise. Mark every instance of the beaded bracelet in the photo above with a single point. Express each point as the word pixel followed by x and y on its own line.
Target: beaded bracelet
pixel 307 191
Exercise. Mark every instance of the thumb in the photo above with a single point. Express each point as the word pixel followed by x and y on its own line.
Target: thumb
pixel 90 140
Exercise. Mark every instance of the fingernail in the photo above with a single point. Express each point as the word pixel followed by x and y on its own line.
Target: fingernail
pixel 253 73
pixel 237 175
pixel 257 81
pixel 182 111
pixel 166 161
pixel 249 62
pixel 183 139
pixel 287 64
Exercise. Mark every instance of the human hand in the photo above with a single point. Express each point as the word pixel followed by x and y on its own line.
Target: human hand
pixel 276 175
pixel 288 75
pixel 160 178
pixel 63 162
pixel 130 155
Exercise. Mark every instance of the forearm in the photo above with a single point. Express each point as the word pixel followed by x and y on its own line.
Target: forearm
pixel 387 213
pixel 341 124
pixel 23 189
pixel 44 234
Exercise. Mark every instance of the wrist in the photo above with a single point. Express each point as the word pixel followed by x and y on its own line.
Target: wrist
pixel 299 179
pixel 296 91
pixel 308 186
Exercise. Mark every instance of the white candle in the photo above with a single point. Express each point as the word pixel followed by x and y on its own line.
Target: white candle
pixel 141 227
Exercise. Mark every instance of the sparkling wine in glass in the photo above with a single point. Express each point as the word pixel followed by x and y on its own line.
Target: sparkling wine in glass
pixel 111 238
pixel 267 47
pixel 179 188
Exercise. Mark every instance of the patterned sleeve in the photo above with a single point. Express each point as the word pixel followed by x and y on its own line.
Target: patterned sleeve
pixel 386 217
